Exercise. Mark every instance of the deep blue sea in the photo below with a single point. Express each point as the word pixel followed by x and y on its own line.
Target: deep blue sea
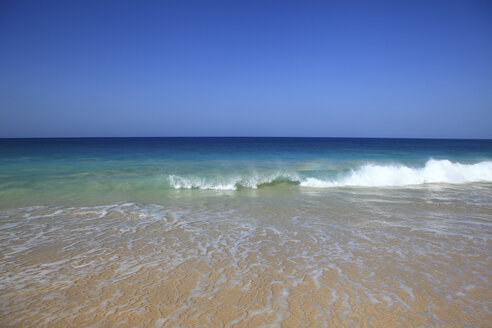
pixel 246 232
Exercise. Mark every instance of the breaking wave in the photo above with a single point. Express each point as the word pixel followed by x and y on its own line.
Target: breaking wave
pixel 434 171
pixel 369 175
pixel 253 181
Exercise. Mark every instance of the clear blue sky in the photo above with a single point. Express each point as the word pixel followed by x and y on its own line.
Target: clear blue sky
pixel 246 68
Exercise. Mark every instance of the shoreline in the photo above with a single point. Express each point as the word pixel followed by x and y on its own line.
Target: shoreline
pixel 151 265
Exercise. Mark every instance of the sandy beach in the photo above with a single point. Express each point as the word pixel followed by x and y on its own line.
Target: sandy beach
pixel 135 265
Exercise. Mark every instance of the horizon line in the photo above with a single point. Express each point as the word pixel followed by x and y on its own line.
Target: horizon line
pixel 243 137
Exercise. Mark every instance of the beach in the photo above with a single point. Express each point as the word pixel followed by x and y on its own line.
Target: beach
pixel 234 232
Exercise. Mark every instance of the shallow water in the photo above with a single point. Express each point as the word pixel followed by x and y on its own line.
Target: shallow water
pixel 399 257
pixel 282 254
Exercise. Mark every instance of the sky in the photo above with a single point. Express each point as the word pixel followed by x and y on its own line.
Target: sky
pixel 415 69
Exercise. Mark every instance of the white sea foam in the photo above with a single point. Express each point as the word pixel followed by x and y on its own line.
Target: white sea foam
pixel 434 171
pixel 252 181
pixel 369 175
pixel 178 182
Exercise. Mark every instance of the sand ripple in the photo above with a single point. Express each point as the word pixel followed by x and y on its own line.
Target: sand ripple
pixel 134 265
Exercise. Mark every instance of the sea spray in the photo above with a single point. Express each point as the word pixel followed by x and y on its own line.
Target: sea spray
pixel 434 171
pixel 368 175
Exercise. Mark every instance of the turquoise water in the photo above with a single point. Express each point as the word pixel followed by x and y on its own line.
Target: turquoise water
pixel 98 170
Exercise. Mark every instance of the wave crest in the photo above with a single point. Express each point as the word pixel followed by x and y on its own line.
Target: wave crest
pixel 253 181
pixel 369 175
pixel 434 171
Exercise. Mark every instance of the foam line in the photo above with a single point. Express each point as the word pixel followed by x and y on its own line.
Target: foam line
pixel 369 175
pixel 434 171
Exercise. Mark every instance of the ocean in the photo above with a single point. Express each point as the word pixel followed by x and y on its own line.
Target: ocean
pixel 245 232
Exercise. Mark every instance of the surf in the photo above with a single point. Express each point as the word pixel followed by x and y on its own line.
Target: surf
pixel 367 175
pixel 434 171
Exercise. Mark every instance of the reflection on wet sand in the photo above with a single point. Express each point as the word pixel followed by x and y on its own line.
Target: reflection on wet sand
pixel 135 265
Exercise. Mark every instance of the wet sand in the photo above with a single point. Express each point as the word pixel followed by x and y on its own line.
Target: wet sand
pixel 136 265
